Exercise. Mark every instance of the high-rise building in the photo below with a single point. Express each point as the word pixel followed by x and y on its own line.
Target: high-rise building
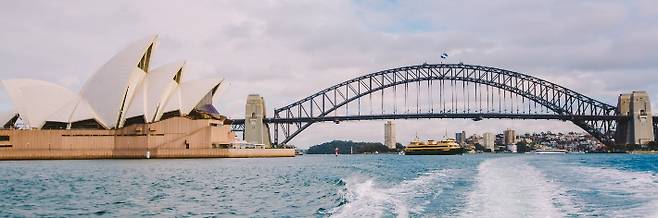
pixel 389 135
pixel 510 136
pixel 488 140
pixel 460 137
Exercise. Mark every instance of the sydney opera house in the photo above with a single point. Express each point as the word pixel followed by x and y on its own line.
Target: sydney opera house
pixel 126 109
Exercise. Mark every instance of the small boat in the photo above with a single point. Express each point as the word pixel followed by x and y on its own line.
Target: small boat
pixel 446 146
pixel 551 151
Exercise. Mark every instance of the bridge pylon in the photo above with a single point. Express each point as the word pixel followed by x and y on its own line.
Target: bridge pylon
pixel 256 131
pixel 637 128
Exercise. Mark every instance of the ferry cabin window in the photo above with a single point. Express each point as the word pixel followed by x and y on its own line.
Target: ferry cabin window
pixel 4 138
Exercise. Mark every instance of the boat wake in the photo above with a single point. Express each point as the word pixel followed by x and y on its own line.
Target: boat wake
pixel 366 198
pixel 510 187
pixel 628 193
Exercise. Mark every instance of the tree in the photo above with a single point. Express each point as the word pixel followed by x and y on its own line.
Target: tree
pixel 522 147
pixel 345 147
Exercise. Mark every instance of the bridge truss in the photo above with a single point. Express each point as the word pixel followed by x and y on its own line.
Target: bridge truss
pixel 445 91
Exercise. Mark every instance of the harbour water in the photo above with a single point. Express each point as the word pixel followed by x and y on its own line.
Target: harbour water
pixel 483 185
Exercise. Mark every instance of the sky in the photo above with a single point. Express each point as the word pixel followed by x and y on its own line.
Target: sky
pixel 287 50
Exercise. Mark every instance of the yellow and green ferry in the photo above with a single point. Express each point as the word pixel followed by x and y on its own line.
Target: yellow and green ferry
pixel 446 146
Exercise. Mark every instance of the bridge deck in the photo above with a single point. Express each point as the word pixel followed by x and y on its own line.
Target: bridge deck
pixel 440 116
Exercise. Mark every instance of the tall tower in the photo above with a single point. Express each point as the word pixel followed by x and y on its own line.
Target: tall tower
pixel 255 130
pixel 510 137
pixel 488 141
pixel 623 134
pixel 389 135
pixel 460 137
pixel 638 127
pixel 642 118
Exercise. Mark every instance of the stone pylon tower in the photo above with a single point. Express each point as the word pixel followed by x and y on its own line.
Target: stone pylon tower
pixel 389 135
pixel 638 127
pixel 255 130
pixel 623 134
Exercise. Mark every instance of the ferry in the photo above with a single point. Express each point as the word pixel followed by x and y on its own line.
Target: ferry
pixel 446 146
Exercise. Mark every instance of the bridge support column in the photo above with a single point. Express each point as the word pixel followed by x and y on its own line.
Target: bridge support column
pixel 637 129
pixel 255 130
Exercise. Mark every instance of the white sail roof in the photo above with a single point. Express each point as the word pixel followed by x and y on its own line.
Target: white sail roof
pixel 151 97
pixel 77 109
pixel 37 100
pixel 123 87
pixel 174 101
pixel 190 93
pixel 111 89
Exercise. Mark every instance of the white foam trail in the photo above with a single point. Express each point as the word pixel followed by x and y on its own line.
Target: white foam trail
pixel 510 187
pixel 366 199
pixel 640 188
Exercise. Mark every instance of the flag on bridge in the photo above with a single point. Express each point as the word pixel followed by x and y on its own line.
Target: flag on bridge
pixel 444 55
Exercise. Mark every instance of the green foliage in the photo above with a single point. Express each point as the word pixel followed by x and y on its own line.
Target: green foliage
pixel 479 147
pixel 398 147
pixel 522 147
pixel 651 146
pixel 344 147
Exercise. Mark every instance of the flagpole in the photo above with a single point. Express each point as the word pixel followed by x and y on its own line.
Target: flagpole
pixel 444 56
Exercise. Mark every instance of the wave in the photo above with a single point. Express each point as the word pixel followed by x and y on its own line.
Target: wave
pixel 366 198
pixel 510 187
pixel 637 191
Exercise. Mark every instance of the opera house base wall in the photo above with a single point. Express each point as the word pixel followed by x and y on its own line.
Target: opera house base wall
pixel 177 137
pixel 141 154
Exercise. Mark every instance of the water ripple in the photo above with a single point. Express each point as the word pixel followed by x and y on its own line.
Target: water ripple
pixel 325 185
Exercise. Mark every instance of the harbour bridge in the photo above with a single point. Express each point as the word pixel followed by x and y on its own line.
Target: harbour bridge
pixel 457 91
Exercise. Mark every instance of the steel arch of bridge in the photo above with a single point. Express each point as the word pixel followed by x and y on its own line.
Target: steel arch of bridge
pixel 595 117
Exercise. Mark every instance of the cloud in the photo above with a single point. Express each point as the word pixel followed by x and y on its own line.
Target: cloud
pixel 286 50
